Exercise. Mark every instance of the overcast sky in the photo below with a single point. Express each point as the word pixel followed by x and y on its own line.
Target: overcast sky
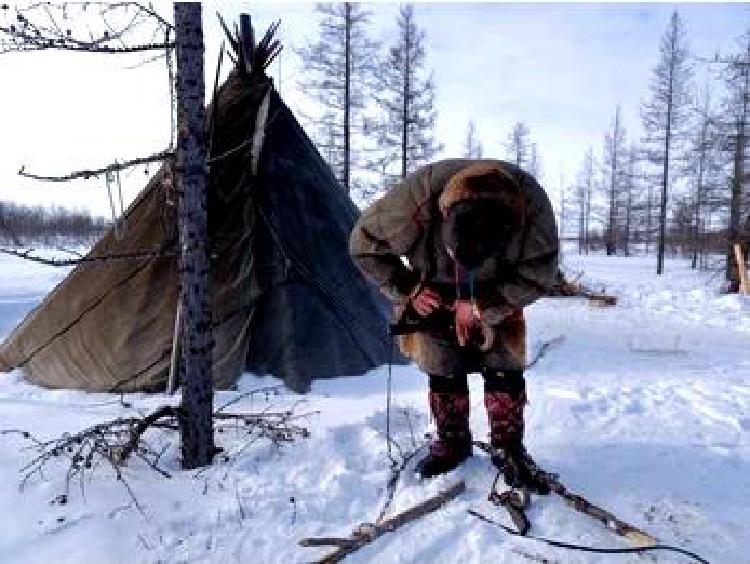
pixel 561 68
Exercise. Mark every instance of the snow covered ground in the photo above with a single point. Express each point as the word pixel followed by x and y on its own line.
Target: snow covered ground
pixel 643 408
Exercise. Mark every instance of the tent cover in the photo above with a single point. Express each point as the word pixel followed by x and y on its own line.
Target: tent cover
pixel 286 299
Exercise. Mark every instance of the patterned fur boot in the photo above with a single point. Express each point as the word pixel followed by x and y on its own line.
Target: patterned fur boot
pixel 505 398
pixel 450 410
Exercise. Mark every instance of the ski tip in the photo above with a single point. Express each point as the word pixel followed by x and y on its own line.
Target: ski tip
pixel 641 539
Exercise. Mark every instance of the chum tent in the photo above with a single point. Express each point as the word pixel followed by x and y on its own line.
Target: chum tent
pixel 286 299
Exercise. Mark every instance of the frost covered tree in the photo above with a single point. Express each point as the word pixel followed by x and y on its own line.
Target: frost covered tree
pixel 535 163
pixel 472 145
pixel 405 94
pixel 582 200
pixel 665 114
pixel 338 71
pixel 518 145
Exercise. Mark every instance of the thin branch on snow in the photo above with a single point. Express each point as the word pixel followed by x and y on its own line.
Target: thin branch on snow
pixel 113 443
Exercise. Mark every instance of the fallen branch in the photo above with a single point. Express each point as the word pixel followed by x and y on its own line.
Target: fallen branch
pixel 574 289
pixel 114 443
pixel 544 349
pixel 369 532
pixel 393 480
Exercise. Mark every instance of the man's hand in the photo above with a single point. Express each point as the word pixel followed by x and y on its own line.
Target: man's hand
pixel 466 319
pixel 425 302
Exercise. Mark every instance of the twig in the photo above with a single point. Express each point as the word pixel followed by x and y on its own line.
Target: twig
pixel 275 390
pixel 115 442
pixel 544 349
pixel 27 32
pixel 393 481
pixel 86 174
pixel 26 255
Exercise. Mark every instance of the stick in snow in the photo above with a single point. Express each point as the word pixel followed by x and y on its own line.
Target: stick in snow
pixel 368 532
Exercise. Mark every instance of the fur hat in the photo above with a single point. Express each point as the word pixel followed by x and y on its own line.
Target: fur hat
pixel 481 206
pixel 484 180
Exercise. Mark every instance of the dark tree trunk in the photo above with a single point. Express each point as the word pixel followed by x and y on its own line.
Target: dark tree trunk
pixel 407 94
pixel 347 94
pixel 195 368
pixel 665 173
pixel 629 205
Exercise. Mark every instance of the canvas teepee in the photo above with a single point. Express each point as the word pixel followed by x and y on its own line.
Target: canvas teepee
pixel 286 299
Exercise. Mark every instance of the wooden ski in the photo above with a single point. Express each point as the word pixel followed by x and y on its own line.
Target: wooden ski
pixel 574 500
pixel 368 532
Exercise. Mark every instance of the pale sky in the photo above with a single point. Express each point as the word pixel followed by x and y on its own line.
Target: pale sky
pixel 561 68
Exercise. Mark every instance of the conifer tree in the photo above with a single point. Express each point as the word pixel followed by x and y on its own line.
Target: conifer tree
pixel 518 145
pixel 614 159
pixel 405 94
pixel 472 145
pixel 338 70
pixel 665 115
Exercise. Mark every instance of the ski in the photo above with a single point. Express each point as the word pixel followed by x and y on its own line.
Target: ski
pixel 516 501
pixel 368 532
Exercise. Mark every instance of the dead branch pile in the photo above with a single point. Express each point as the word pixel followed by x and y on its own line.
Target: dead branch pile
pixel 112 443
pixel 573 288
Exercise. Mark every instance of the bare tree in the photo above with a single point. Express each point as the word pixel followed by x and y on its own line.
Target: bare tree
pixel 472 145
pixel 665 114
pixel 704 168
pixel 518 145
pixel 737 77
pixel 406 97
pixel 338 74
pixel 583 190
pixel 535 163
pixel 25 225
pixel 632 176
pixel 614 158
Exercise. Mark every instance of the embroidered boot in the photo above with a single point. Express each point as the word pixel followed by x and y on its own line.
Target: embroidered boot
pixel 505 398
pixel 450 410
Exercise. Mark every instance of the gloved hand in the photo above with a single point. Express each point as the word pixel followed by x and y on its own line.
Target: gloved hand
pixel 425 301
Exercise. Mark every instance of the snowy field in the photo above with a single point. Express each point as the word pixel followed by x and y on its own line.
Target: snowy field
pixel 643 408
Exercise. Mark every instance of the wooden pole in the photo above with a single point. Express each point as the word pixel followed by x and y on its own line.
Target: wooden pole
pixel 195 369
pixel 739 258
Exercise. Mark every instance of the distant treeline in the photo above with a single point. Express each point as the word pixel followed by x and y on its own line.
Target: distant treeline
pixel 24 224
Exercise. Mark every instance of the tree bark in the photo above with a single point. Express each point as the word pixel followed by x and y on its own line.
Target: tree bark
pixel 407 93
pixel 195 370
pixel 347 93
pixel 665 173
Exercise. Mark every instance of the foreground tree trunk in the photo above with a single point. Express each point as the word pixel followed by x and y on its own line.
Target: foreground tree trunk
pixel 195 369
